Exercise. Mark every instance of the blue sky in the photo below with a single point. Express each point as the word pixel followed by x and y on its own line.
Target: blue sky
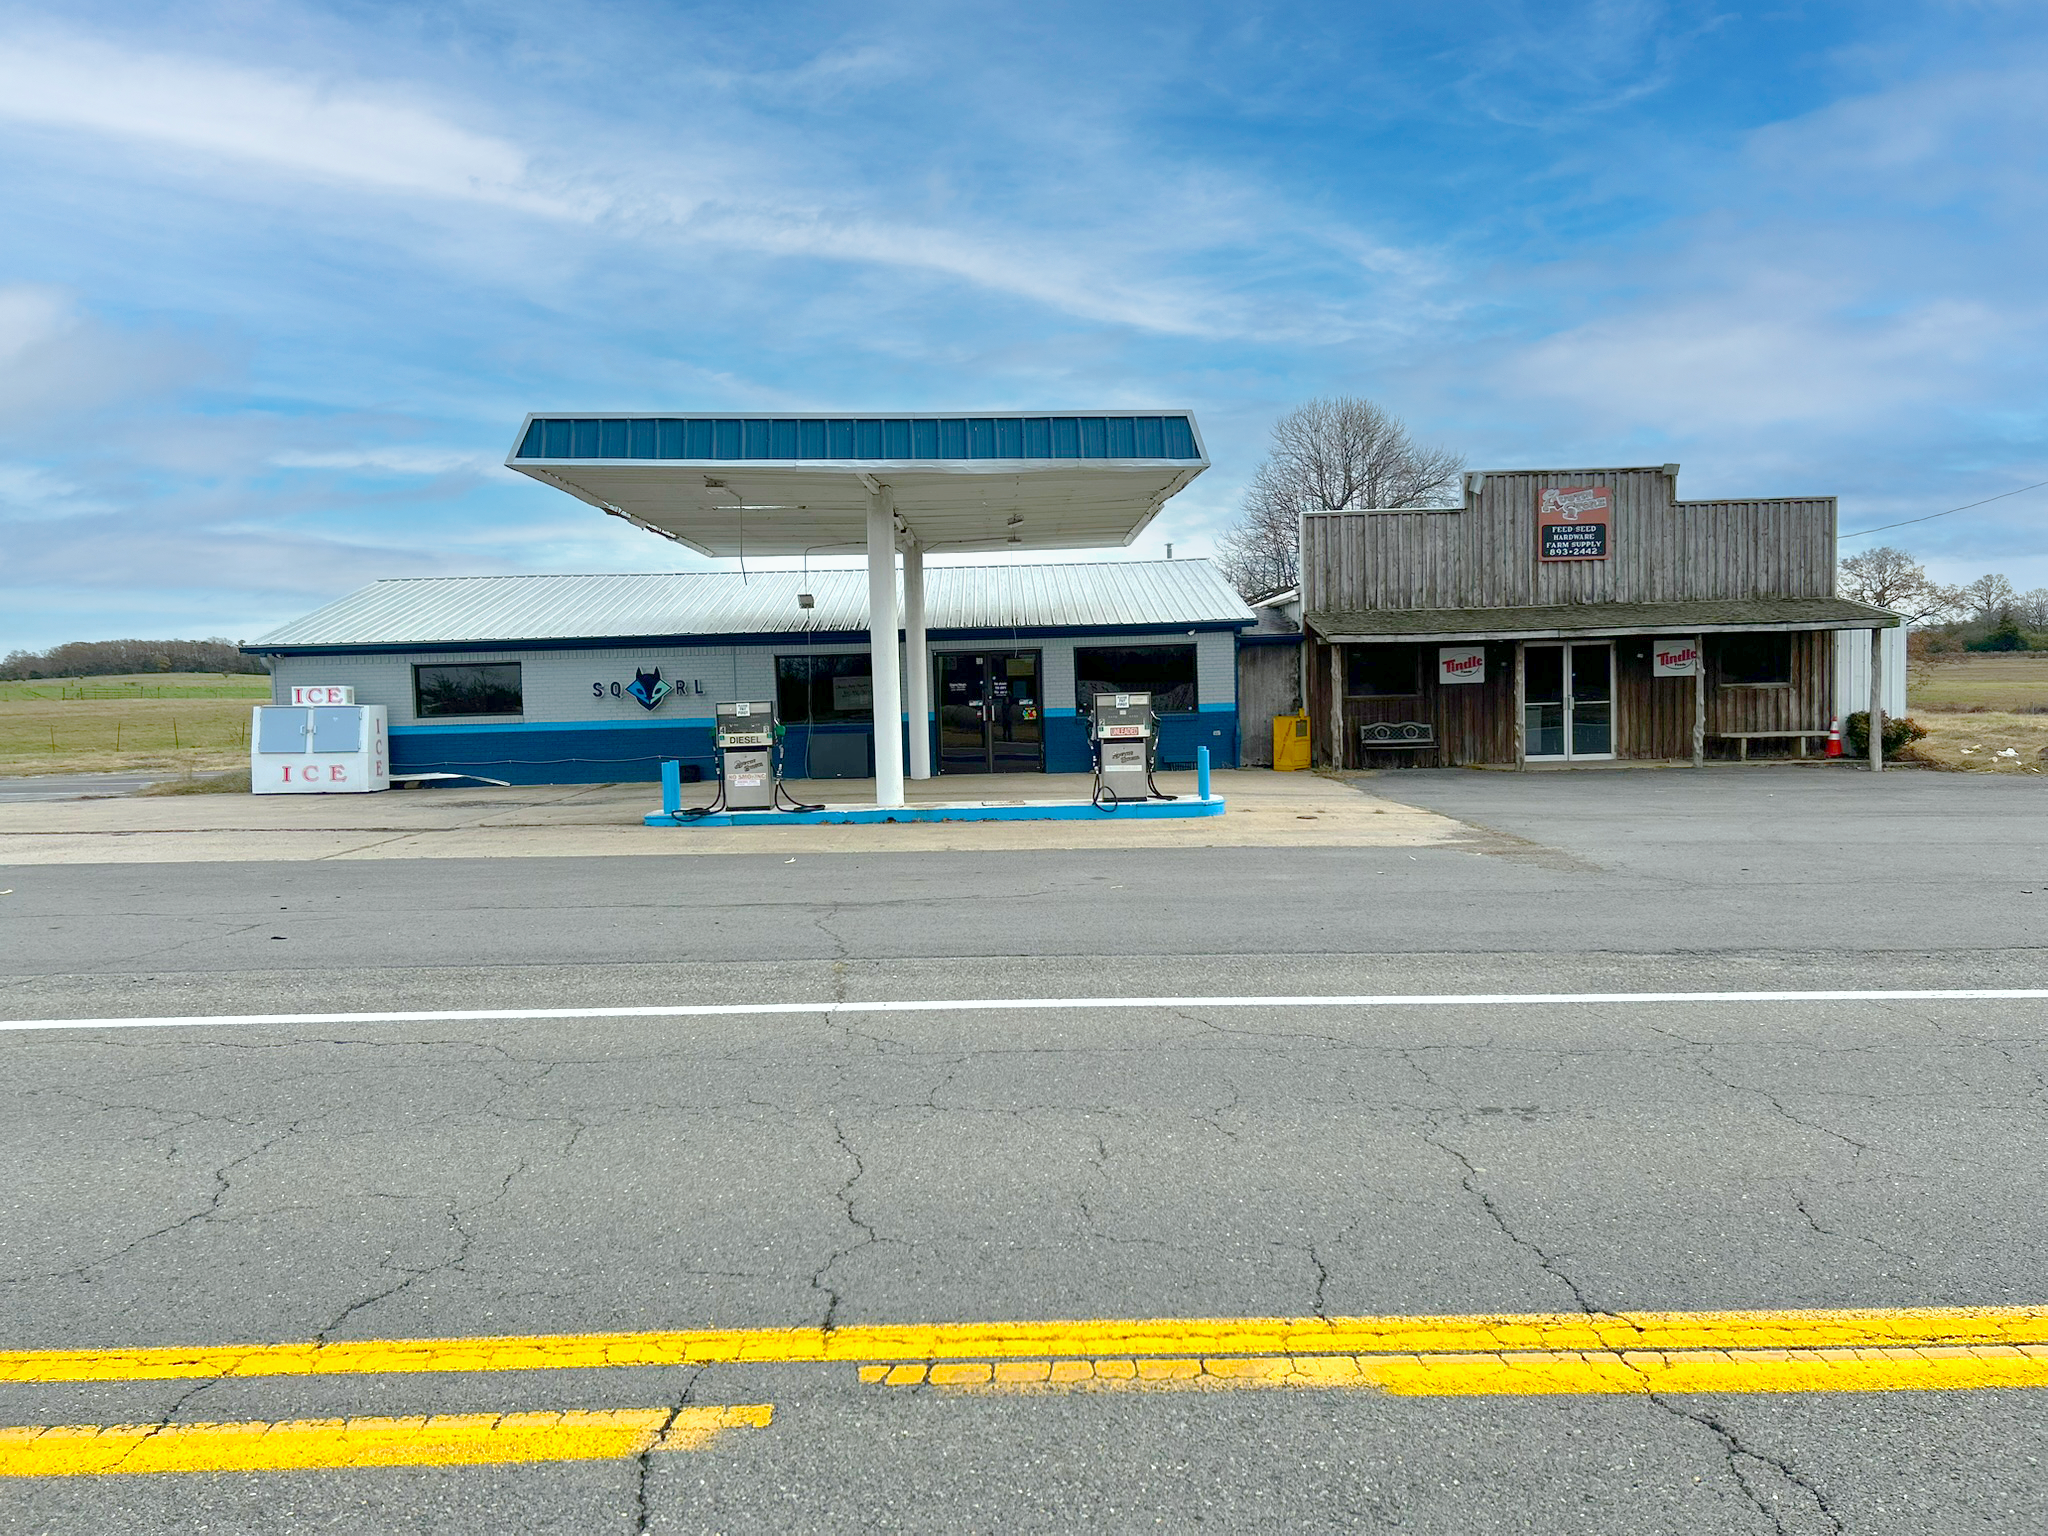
pixel 277 281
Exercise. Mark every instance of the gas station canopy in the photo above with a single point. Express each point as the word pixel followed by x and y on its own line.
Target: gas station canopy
pixel 728 485
pixel 907 484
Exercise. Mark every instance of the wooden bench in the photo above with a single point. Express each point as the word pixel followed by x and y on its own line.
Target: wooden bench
pixel 1396 736
pixel 1742 739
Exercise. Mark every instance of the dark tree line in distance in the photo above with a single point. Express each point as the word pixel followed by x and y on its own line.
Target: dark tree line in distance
pixel 114 658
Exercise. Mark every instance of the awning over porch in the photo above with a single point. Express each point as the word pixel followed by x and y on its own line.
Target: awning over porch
pixel 1568 621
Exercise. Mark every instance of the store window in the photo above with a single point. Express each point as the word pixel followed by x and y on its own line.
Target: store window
pixel 1167 672
pixel 1755 661
pixel 1383 671
pixel 469 688
pixel 838 689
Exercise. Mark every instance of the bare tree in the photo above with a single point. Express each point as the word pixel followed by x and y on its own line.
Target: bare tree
pixel 1990 598
pixel 1326 456
pixel 2032 609
pixel 1890 578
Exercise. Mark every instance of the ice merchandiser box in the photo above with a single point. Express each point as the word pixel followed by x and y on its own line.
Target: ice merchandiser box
pixel 322 743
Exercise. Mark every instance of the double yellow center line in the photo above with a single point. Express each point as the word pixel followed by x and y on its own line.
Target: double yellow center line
pixel 1507 1333
pixel 1863 1350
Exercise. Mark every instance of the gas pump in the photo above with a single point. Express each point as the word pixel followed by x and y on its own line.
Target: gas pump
pixel 748 740
pixel 1125 735
pixel 747 736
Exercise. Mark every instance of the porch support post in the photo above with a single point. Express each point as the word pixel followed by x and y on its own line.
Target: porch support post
pixel 1337 743
pixel 1699 702
pixel 888 702
pixel 917 684
pixel 1876 700
pixel 1521 705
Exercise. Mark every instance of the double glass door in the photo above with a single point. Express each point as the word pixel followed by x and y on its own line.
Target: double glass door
pixel 991 715
pixel 1568 700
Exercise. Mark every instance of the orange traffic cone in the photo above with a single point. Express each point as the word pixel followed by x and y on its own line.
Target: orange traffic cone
pixel 1835 737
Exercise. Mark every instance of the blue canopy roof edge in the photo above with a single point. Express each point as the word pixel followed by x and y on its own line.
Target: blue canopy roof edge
pixel 925 439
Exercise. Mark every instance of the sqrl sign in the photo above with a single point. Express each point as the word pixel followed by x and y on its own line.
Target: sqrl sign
pixel 1571 522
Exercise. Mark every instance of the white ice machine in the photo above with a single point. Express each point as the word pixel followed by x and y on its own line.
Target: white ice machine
pixel 319 748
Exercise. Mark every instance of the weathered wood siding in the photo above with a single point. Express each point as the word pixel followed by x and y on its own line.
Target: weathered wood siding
pixel 1474 722
pixel 1652 715
pixel 1803 704
pixel 1483 555
pixel 1268 684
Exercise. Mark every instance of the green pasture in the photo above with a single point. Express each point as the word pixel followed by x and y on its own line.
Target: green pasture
pixel 102 724
pixel 2007 682
pixel 140 685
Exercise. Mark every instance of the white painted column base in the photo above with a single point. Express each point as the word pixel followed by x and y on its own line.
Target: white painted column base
pixel 917 683
pixel 888 701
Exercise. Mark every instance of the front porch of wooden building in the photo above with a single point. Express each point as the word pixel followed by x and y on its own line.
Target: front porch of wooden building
pixel 1550 700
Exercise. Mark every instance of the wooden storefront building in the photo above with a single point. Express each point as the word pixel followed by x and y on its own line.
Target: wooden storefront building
pixel 1563 616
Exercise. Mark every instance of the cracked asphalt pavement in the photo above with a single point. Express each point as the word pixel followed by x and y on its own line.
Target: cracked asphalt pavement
pixel 250 1184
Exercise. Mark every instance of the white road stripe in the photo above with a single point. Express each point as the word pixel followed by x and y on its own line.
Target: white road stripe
pixel 1041 1004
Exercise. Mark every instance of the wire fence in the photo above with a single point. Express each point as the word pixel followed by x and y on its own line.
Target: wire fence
pixel 138 733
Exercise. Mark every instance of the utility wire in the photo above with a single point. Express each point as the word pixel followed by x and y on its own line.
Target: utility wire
pixel 1930 517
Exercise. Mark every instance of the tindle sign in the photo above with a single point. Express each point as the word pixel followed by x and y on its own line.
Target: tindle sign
pixel 1461 664
pixel 1571 522
pixel 1674 658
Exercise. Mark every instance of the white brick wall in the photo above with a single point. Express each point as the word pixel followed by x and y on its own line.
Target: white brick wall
pixel 558 684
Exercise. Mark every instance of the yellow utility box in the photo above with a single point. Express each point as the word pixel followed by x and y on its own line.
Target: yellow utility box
pixel 1290 743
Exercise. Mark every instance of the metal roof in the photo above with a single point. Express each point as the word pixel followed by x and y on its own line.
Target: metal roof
pixel 783 485
pixel 505 611
pixel 1564 620
pixel 864 439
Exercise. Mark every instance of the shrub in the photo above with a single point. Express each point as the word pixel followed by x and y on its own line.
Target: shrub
pixel 2005 636
pixel 1900 732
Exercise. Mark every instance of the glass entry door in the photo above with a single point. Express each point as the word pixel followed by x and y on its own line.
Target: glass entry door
pixel 1568 700
pixel 991 718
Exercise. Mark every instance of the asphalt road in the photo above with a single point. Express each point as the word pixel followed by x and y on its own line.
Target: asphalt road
pixel 434 1179
pixel 75 786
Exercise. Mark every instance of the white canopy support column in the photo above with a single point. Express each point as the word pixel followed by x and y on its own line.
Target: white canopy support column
pixel 888 695
pixel 917 690
pixel 1877 701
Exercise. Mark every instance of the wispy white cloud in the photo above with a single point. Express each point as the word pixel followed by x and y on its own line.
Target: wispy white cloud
pixel 1779 355
pixel 331 130
pixel 390 460
pixel 1094 245
pixel 55 358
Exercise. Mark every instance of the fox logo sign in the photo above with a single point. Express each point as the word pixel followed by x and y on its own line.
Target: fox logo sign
pixel 648 688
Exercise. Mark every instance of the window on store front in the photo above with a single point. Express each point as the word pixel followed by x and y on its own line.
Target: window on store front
pixel 1755 661
pixel 467 688
pixel 1167 672
pixel 1383 671
pixel 825 690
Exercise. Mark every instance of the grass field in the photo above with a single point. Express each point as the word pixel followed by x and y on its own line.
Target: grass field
pixel 176 720
pixel 1976 741
pixel 1976 708
pixel 2012 683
